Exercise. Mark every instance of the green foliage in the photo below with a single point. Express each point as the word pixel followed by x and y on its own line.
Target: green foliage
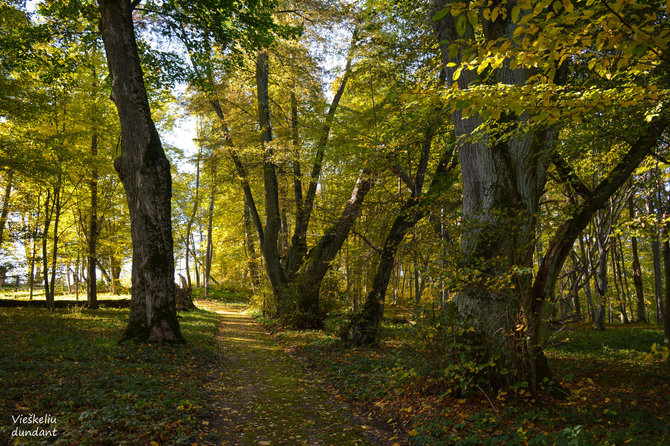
pixel 406 381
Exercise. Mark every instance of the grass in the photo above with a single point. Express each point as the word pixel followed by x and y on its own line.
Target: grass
pixel 617 397
pixel 67 364
pixel 38 294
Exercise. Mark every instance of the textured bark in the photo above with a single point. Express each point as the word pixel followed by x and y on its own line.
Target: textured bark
pixel 145 174
pixel 502 184
pixel 270 240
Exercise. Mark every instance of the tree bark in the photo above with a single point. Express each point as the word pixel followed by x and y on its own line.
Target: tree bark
pixel 270 240
pixel 145 174
pixel 307 284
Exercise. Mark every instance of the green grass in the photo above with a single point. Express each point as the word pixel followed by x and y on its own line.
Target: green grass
pixel 67 364
pixel 616 343
pixel 38 294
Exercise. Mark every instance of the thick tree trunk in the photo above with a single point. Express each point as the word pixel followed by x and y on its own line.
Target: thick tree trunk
pixel 92 289
pixel 270 239
pixel 145 174
pixel 307 284
pixel 601 284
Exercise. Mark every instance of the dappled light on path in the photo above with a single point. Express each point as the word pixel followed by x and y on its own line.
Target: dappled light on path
pixel 264 397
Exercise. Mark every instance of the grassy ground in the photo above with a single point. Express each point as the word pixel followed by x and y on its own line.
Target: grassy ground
pixel 38 294
pixel 67 364
pixel 616 396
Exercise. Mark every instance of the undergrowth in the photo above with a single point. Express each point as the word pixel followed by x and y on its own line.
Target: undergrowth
pixel 424 379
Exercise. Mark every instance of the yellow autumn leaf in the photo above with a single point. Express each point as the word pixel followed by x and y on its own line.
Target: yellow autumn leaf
pixel 153 443
pixel 569 7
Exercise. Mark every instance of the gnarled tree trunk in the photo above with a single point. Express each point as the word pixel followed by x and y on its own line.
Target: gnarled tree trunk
pixel 145 174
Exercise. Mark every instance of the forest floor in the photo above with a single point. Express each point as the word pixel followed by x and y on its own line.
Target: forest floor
pixel 262 396
pixel 237 383
pixel 619 390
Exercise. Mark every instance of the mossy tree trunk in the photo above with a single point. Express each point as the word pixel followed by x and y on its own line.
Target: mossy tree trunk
pixel 145 174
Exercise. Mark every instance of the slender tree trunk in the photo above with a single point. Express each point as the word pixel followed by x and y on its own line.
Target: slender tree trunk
pixel 145 174
pixel 92 289
pixel 115 269
pixel 5 204
pixel 210 245
pixel 637 270
pixel 195 259
pixel 618 280
pixel 45 253
pixel 252 261
pixel 75 273
pixel 54 252
pixel 656 256
pixel 189 224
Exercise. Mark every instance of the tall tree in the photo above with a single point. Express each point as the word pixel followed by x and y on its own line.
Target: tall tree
pixel 145 174
pixel 504 173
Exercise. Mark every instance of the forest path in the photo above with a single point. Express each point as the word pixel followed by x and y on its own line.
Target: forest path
pixel 264 397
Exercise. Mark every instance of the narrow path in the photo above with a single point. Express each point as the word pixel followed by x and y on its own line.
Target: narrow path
pixel 264 397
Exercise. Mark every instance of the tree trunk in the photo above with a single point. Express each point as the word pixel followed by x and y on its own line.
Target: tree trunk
pixel 145 174
pixel 45 253
pixel 637 270
pixel 115 270
pixel 619 282
pixel 304 209
pixel 210 245
pixel 92 289
pixel 5 204
pixel 666 265
pixel 54 253
pixel 189 224
pixel 252 261
pixel 307 284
